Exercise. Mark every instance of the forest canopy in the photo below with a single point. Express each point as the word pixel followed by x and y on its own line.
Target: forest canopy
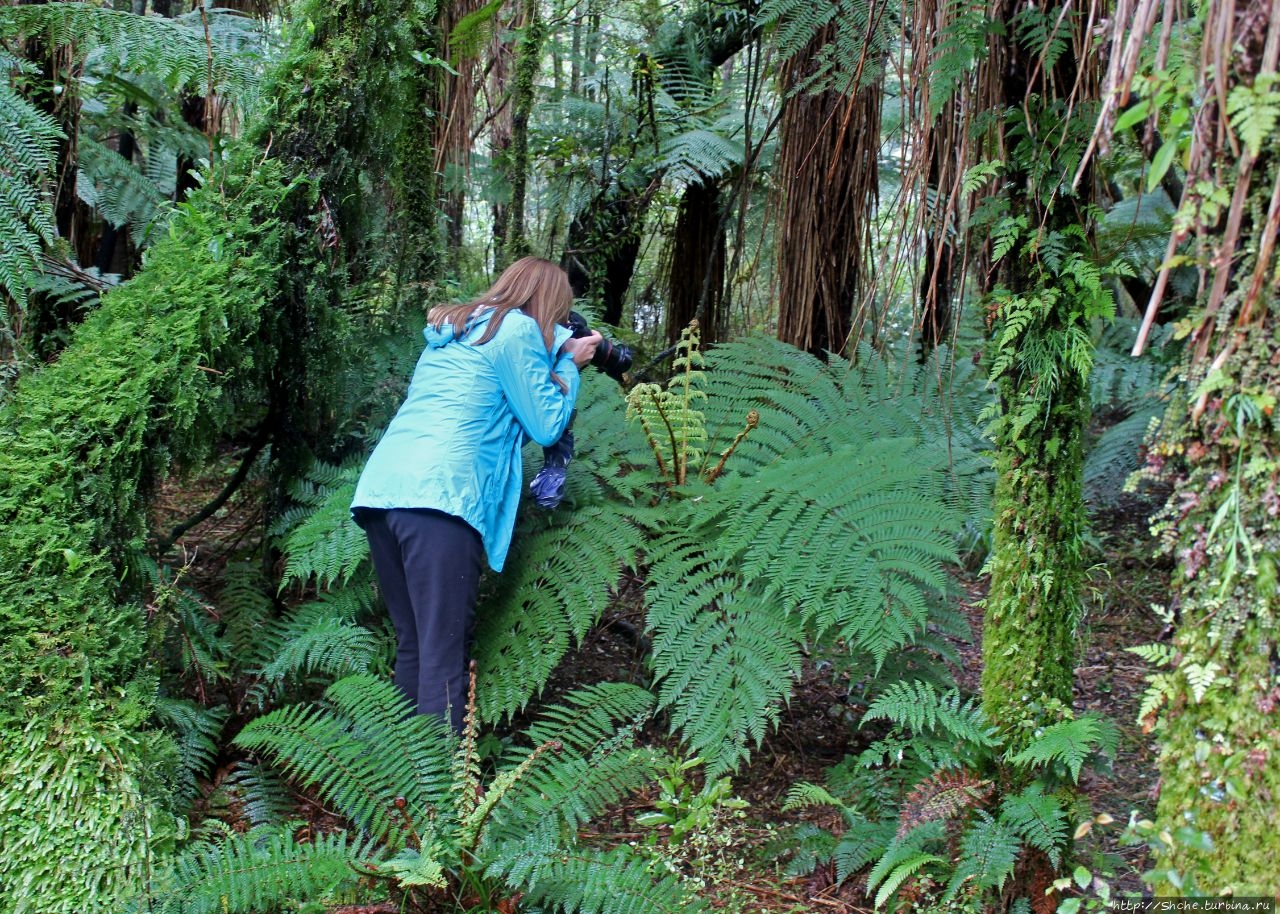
pixel 923 558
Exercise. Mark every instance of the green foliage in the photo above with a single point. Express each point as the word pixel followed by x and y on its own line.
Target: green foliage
pixel 260 870
pixel 178 51
pixel 845 539
pixel 322 540
pixel 148 381
pixel 432 820
pixel 921 809
pixel 28 145
pixel 854 51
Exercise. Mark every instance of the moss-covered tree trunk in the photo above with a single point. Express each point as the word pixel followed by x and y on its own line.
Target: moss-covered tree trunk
pixel 241 303
pixel 1048 292
pixel 1220 446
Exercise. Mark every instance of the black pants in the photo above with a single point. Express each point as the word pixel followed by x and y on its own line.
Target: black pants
pixel 428 567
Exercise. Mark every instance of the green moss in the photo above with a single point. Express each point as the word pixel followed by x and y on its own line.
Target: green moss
pixel 149 380
pixel 1220 731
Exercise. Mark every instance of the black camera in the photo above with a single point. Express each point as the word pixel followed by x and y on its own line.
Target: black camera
pixel 613 358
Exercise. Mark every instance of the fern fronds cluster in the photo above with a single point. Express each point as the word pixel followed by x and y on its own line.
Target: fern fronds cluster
pixel 922 811
pixel 424 816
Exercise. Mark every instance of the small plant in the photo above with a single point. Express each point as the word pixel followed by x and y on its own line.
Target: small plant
pixel 941 814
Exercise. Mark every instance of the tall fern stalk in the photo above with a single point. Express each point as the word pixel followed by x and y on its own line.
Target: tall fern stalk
pixel 1048 294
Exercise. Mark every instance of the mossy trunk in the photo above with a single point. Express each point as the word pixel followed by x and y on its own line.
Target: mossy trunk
pixel 1220 733
pixel 240 303
pixel 1048 293
pixel 1036 565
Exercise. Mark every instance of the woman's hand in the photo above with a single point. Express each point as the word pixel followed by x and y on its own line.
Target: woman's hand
pixel 583 348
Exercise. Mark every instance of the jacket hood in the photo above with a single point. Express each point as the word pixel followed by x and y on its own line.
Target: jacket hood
pixel 446 334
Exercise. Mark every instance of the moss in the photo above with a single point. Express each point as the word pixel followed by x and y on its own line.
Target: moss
pixel 151 379
pixel 1220 733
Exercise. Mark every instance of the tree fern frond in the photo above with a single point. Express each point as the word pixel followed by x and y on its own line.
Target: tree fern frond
pixel 27 148
pixel 254 872
pixel 258 793
pixel 557 586
pixel 196 728
pixel 115 187
pixel 176 50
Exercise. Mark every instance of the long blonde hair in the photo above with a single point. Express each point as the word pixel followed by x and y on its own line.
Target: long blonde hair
pixel 535 286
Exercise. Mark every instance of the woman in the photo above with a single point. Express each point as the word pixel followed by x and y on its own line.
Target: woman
pixel 441 489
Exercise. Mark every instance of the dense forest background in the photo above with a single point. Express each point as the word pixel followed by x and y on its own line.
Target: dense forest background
pixel 953 403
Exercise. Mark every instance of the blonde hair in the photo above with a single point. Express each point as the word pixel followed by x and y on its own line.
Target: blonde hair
pixel 537 287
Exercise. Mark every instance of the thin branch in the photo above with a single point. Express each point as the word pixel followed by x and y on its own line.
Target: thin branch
pixel 242 473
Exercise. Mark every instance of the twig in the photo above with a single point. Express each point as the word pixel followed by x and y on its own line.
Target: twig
pixel 242 473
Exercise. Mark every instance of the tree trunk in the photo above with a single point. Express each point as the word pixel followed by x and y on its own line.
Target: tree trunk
pixel 1042 310
pixel 828 165
pixel 1220 730
pixel 695 283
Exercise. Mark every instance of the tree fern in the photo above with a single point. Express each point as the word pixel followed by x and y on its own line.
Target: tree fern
pixel 988 851
pixel 177 50
pixel 116 188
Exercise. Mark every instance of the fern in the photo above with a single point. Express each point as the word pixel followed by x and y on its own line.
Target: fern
pixel 254 872
pixel 362 755
pixel 419 794
pixel 197 729
pixel 116 188
pixel 27 148
pixel 175 50
pixel 1069 743
pixel 988 851
pixel 917 707
pixel 1038 819
pixel 325 542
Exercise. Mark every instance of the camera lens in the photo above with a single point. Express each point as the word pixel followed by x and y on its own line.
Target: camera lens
pixel 614 359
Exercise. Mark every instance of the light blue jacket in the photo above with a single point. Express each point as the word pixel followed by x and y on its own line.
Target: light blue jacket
pixel 454 445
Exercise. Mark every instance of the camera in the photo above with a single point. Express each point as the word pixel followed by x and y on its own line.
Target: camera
pixel 611 357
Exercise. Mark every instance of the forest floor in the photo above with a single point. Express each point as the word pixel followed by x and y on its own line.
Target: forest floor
pixel 736 860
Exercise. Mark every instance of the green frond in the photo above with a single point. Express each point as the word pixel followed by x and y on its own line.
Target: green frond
pixel 196 729
pixel 723 658
pixel 920 709
pixel 593 763
pixel 114 187
pixel 258 793
pixel 988 851
pixel 321 639
pixel 254 872
pixel 1069 743
pixel 865 841
pixel 325 543
pixel 557 584
pixel 1038 819
pixel 175 50
pixel 590 881
pixel 27 148
pixel 362 754
pixel 699 154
